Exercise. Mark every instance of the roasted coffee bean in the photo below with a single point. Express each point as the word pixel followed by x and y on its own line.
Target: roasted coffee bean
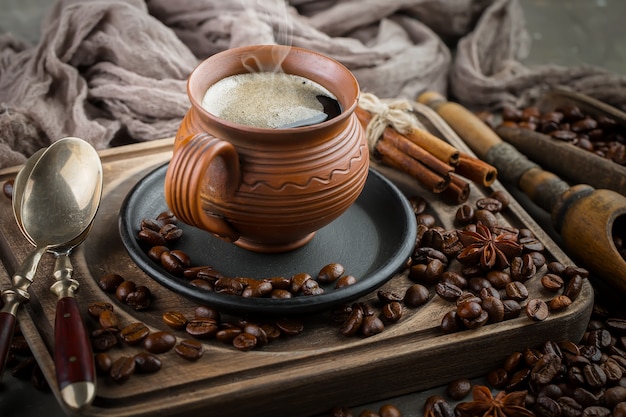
pixel 423 255
pixel 108 320
pixel 585 397
pixel 175 262
pixel 556 268
pixel 469 310
pixel 228 286
pixel 559 302
pixel 353 323
pixel 464 214
pixel 476 322
pixel 445 290
pixel 503 197
pixel 516 290
pixel 134 333
pixel 594 375
pixel 228 335
pixel 271 331
pixel 102 341
pixel 491 204
pixel 174 319
pixel 387 296
pixel 389 410
pixel 459 388
pixel 416 295
pixel 591 352
pixel 546 406
pixel 192 350
pixel 151 224
pixel 258 332
pixel 122 369
pixel 552 282
pixel 538 259
pixel 345 281
pixel 392 312
pixel 573 287
pixel 513 362
pixel 167 217
pixel 522 268
pixel 103 363
pixel 244 342
pixel 518 380
pixel 426 219
pixel 450 323
pixel 298 280
pixel 498 279
pixel 155 252
pixel 110 282
pixel 257 288
pixel 289 327
pixel 616 325
pixel 596 411
pixel 614 395
pixel 371 326
pixel 159 342
pixel 330 273
pixel 280 294
pixel 201 284
pixel 512 309
pixel 171 232
pixel 569 407
pixel 125 288
pixel 546 368
pixel 494 308
pixel 437 406
pixel 498 378
pixel 573 270
pixel 96 308
pixel 476 284
pixel 537 309
pixel 310 287
pixel 487 218
pixel 151 237
pixel 140 299
pixel 489 292
pixel 147 363
pixel 454 278
pixel 202 328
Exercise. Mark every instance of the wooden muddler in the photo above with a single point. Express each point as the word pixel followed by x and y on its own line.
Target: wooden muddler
pixel 585 217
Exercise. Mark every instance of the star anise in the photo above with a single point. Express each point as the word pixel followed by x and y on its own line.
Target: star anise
pixel 487 248
pixel 502 405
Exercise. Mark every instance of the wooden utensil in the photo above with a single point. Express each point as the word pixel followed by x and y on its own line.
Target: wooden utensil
pixel 586 218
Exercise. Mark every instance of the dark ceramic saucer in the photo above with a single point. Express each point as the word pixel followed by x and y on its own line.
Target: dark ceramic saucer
pixel 372 240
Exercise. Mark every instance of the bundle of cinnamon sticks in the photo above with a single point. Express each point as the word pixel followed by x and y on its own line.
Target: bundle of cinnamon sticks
pixel 434 163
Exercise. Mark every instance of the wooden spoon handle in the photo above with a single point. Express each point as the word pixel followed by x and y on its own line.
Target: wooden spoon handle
pixel 73 356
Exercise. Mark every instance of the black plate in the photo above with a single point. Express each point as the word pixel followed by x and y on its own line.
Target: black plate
pixel 372 240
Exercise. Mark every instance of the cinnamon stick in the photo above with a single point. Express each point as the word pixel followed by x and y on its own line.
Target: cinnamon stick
pixel 476 170
pixel 394 158
pixel 458 191
pixel 406 146
pixel 439 148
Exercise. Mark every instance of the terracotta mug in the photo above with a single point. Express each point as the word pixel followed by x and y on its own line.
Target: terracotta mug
pixel 265 189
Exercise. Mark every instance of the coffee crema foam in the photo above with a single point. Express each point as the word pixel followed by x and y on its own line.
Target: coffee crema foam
pixel 266 99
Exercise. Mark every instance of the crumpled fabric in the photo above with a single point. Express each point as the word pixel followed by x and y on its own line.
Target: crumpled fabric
pixel 114 72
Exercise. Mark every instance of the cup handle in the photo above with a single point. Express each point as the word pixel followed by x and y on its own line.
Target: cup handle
pixel 204 166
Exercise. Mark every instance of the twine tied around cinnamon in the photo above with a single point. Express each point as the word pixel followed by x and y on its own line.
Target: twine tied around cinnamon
pixel 396 114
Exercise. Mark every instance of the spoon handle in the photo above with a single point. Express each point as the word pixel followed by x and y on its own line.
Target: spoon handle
pixel 13 298
pixel 73 356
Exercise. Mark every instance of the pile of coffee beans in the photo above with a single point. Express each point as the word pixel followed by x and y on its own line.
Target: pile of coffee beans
pixel 159 234
pixel 138 297
pixel 602 135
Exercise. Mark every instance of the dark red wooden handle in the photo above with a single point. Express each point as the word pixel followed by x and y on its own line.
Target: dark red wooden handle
pixel 7 326
pixel 73 357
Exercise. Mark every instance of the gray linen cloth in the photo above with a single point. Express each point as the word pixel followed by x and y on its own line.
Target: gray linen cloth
pixel 114 71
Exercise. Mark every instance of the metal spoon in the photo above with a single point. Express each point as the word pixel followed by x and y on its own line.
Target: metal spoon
pixel 67 181
pixel 18 293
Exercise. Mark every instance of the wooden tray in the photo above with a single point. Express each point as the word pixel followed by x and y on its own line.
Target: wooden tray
pixel 299 376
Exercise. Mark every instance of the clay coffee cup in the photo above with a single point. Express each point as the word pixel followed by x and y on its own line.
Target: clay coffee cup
pixel 267 189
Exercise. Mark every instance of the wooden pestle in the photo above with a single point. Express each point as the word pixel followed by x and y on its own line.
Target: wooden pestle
pixel 585 217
